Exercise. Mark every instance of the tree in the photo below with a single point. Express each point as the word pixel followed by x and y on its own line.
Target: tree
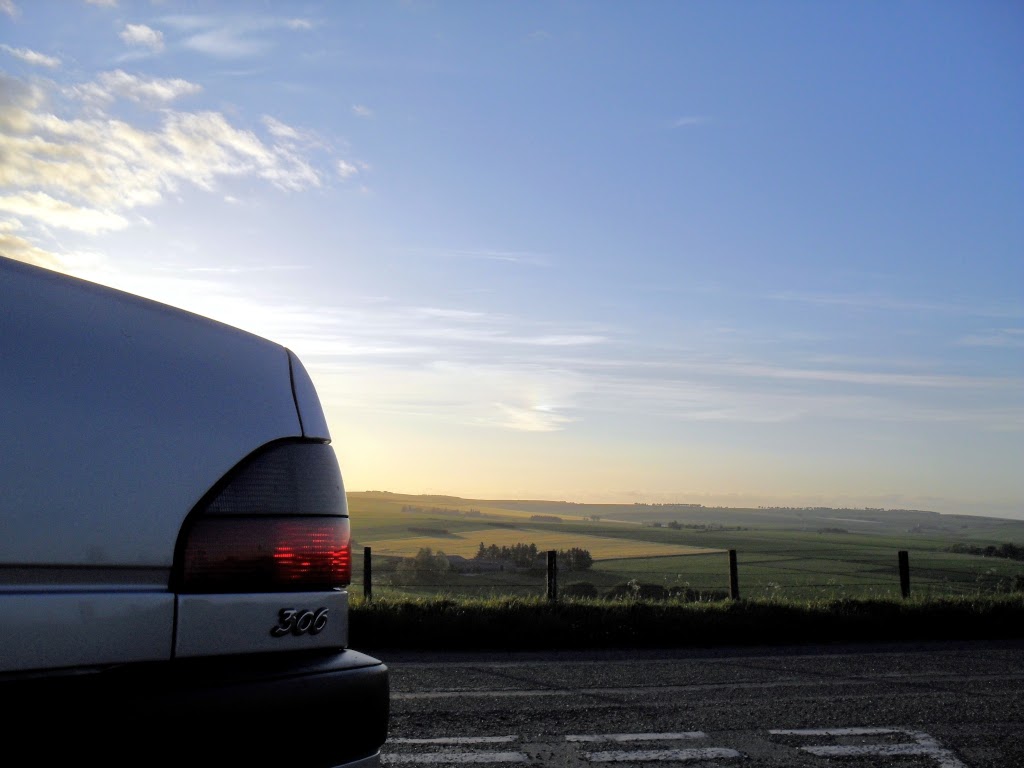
pixel 576 559
pixel 426 567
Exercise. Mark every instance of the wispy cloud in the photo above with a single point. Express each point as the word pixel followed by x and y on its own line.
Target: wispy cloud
pixel 512 257
pixel 295 139
pixel 701 393
pixel 689 121
pixel 563 340
pixel 232 37
pixel 281 130
pixel 109 86
pixel 838 376
pixel 227 43
pixel 1006 338
pixel 141 35
pixel 536 418
pixel 236 270
pixel 34 58
pixel 887 303
pixel 61 213
pixel 360 110
pixel 8 7
pixel 450 314
pixel 14 246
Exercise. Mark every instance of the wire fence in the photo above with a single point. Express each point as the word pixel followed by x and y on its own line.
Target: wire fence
pixel 859 572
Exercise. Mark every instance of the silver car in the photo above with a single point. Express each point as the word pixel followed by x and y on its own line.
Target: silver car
pixel 174 542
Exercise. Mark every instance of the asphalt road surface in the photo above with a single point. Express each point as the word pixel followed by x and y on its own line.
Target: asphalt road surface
pixel 907 706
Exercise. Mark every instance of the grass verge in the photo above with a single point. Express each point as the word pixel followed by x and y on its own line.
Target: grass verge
pixel 443 623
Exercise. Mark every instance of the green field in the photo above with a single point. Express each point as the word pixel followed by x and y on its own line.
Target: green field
pixel 466 544
pixel 792 553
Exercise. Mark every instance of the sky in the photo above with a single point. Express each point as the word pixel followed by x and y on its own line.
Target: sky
pixel 729 253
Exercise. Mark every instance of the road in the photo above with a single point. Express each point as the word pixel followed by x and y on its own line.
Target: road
pixel 908 706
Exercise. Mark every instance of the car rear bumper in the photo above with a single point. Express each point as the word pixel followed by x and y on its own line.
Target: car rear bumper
pixel 316 710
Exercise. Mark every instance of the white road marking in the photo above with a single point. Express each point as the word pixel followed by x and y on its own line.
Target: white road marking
pixel 677 755
pixel 837 731
pixel 923 744
pixel 458 740
pixel 795 682
pixel 639 736
pixel 458 757
pixel 650 755
pixel 920 745
pixel 451 756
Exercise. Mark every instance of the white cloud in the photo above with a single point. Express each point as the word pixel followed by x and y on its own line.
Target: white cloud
pixel 450 314
pixel 14 246
pixel 565 340
pixel 34 58
pixel 346 170
pixel 521 398
pixel 103 3
pixel 838 376
pixel 232 37
pixel 85 172
pixel 110 85
pixel 536 418
pixel 8 7
pixel 689 120
pixel 281 130
pixel 360 110
pixel 141 35
pixel 60 213
pixel 227 44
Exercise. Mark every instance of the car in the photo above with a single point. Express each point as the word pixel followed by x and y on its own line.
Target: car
pixel 175 544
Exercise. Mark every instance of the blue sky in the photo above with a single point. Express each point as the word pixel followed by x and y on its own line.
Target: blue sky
pixel 729 253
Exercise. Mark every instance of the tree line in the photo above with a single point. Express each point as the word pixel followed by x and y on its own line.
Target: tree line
pixel 1007 550
pixel 527 556
pixel 427 565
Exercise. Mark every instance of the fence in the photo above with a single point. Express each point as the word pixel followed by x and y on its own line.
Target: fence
pixel 779 573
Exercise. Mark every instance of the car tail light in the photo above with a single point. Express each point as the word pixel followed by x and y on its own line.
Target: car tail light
pixel 278 523
pixel 254 554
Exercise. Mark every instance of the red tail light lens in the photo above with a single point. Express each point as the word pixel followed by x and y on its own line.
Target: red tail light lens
pixel 267 554
pixel 278 522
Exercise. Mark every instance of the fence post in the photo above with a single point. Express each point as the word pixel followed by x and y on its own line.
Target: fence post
pixel 734 578
pixel 367 575
pixel 904 572
pixel 552 575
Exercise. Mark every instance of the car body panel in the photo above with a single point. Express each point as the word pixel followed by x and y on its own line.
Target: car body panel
pixel 69 629
pixel 135 410
pixel 311 412
pixel 210 624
